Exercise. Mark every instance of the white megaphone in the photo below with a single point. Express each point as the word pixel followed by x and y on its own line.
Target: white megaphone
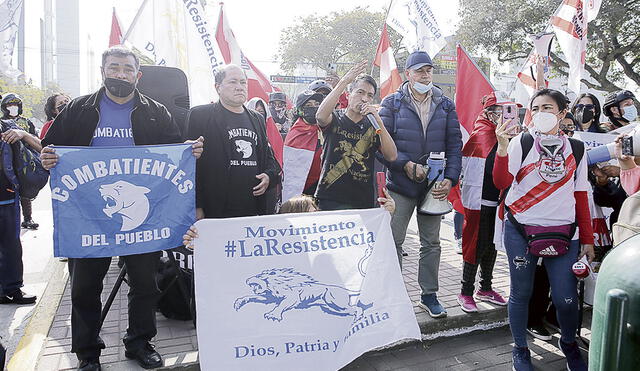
pixel 542 45
pixel 435 175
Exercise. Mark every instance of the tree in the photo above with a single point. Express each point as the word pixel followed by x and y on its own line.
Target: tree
pixel 502 27
pixel 341 37
pixel 33 98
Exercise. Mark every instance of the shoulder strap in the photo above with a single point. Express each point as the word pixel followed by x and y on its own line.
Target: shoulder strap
pixel 577 148
pixel 397 101
pixel 526 142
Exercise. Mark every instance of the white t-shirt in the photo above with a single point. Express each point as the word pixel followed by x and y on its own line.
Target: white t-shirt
pixel 531 199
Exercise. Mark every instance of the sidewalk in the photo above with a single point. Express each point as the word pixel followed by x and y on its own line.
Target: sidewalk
pixel 176 340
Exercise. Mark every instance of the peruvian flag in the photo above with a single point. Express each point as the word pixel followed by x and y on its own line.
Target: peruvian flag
pixel 300 147
pixel 258 84
pixel 390 78
pixel 115 38
pixel 471 86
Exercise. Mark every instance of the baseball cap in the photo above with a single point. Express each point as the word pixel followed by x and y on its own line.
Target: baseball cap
pixel 417 60
pixel 277 96
pixel 306 95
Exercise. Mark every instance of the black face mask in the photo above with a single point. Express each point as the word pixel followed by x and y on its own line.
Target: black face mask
pixel 309 114
pixel 584 115
pixel 119 88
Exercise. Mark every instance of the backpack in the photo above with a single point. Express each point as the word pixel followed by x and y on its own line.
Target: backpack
pixel 172 303
pixel 32 177
pixel 628 224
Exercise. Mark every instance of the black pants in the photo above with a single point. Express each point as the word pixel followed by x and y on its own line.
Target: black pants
pixel 540 305
pixel 11 268
pixel 26 208
pixel 86 286
pixel 485 254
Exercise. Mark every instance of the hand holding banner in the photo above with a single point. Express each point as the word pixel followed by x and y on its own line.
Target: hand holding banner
pixel 111 202
pixel 306 291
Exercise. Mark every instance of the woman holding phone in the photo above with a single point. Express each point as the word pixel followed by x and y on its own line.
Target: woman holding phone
pixel 546 174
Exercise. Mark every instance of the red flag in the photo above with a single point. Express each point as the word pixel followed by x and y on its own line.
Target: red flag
pixel 390 78
pixel 258 84
pixel 115 38
pixel 471 86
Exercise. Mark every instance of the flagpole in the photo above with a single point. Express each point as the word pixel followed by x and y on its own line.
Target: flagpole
pixel 135 20
pixel 373 65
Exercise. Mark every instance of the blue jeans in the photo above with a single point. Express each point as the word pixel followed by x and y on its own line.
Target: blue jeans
pixel 10 249
pixel 458 220
pixel 564 293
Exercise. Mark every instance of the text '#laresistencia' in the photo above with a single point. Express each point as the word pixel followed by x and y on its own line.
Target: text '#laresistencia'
pixel 266 241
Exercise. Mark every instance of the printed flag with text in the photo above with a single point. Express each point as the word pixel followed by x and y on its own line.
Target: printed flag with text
pixel 114 201
pixel 417 23
pixel 310 291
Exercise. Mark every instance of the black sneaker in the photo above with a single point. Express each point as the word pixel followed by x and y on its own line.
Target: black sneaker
pixel 18 297
pixel 146 356
pixel 30 224
pixel 539 332
pixel 574 358
pixel 89 365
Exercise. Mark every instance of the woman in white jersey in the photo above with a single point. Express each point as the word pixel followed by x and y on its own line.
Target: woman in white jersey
pixel 547 197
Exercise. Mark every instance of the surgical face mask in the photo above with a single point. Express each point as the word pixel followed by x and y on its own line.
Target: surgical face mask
pixel 422 88
pixel 119 88
pixel 13 110
pixel 309 114
pixel 544 121
pixel 630 113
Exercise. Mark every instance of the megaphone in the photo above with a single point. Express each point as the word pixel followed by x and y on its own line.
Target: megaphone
pixel 542 45
pixel 603 153
pixel 435 175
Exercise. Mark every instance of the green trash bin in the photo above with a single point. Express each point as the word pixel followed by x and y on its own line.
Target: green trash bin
pixel 615 336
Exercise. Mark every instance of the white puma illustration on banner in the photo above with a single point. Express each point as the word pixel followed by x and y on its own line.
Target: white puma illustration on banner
pixel 128 200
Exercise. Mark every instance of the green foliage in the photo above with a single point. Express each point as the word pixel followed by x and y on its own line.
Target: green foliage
pixel 502 27
pixel 341 37
pixel 33 98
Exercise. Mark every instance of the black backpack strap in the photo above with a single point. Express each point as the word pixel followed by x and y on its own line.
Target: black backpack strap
pixel 526 142
pixel 577 148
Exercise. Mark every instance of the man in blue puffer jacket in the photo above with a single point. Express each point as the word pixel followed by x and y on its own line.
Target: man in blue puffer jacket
pixel 421 120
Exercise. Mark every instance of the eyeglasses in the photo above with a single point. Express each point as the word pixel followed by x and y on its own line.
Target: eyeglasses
pixel 585 106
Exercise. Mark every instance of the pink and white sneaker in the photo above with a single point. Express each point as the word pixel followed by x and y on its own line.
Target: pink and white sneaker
pixel 491 296
pixel 467 303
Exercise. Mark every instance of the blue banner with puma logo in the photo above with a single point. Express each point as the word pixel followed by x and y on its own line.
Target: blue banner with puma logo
pixel 113 201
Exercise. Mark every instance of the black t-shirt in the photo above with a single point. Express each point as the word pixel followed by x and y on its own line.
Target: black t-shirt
pixel 243 164
pixel 347 162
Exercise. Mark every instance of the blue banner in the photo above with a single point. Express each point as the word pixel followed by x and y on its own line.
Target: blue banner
pixel 113 201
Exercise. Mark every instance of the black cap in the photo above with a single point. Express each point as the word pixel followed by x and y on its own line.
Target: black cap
pixel 277 96
pixel 319 85
pixel 306 95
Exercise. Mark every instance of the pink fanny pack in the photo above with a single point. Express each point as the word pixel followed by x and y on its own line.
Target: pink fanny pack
pixel 545 241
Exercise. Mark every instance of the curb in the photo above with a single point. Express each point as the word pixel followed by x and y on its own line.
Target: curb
pixel 32 342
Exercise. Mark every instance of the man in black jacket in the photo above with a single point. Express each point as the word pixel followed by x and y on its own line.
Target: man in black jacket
pixel 238 165
pixel 116 115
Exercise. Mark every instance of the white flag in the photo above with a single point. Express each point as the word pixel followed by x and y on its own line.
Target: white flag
pixel 308 291
pixel 570 26
pixel 416 22
pixel 176 33
pixel 9 23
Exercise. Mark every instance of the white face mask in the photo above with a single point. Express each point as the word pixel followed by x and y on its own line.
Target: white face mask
pixel 13 110
pixel 544 121
pixel 422 88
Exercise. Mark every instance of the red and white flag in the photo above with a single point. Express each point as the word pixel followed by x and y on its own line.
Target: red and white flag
pixel 115 38
pixel 471 86
pixel 390 78
pixel 300 147
pixel 570 24
pixel 258 84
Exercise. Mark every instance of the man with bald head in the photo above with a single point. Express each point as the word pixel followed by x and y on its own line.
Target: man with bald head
pixel 238 165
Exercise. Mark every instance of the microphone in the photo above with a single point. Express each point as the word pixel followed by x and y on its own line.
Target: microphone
pixel 374 122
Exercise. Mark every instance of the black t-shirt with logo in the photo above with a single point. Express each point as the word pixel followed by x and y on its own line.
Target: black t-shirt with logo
pixel 348 159
pixel 243 164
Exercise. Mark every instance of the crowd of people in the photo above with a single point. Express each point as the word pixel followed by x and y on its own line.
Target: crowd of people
pixel 258 158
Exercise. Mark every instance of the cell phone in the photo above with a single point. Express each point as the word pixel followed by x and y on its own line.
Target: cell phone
pixel 510 112
pixel 627 146
pixel 381 181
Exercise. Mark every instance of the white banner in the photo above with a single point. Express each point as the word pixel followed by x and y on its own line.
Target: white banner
pixel 9 23
pixel 175 33
pixel 416 22
pixel 592 140
pixel 306 291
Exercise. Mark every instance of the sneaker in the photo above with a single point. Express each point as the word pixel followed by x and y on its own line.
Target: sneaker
pixel 430 303
pixel 521 358
pixel 467 303
pixel 458 246
pixel 18 297
pixel 29 224
pixel 574 358
pixel 539 332
pixel 491 296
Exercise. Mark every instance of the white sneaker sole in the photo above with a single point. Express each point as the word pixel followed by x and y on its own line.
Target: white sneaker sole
pixel 465 309
pixel 490 300
pixel 443 314
pixel 540 337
